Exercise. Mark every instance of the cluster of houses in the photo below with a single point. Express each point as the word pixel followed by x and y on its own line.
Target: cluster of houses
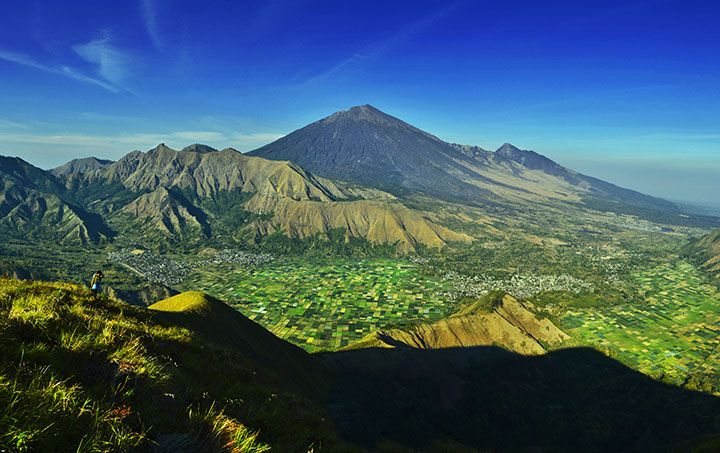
pixel 519 286
pixel 167 271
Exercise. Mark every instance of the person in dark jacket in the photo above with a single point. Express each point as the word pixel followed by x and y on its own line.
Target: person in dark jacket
pixel 95 283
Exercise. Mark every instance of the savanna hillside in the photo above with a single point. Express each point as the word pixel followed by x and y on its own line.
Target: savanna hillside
pixel 84 374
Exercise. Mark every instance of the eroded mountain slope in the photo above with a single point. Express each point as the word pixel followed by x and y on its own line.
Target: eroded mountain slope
pixel 33 206
pixel 191 193
pixel 496 320
pixel 706 252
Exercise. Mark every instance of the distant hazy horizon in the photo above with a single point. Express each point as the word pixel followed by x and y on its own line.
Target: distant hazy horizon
pixel 625 92
pixel 695 185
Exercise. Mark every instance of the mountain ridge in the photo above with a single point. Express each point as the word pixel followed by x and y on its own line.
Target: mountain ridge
pixel 82 165
pixel 33 205
pixel 189 195
pixel 367 146
pixel 706 253
pixel 507 323
pixel 356 170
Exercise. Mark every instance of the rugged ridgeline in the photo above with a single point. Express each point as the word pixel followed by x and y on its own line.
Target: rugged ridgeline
pixel 200 193
pixel 375 163
pixel 192 374
pixel 80 166
pixel 369 147
pixel 34 206
pixel 706 252
pixel 498 320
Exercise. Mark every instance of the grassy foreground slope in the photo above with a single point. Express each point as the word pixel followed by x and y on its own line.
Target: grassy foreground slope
pixel 191 374
pixel 98 375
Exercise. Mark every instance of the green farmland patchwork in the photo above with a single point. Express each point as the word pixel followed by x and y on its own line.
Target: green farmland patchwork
pixel 325 305
pixel 330 304
pixel 676 331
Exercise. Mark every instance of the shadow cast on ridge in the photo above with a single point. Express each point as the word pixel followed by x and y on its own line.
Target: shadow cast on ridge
pixel 489 398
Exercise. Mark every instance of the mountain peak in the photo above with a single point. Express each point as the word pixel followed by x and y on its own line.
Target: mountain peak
pixel 507 149
pixel 82 165
pixel 534 161
pixel 199 148
pixel 162 147
pixel 365 146
pixel 365 108
pixel 362 113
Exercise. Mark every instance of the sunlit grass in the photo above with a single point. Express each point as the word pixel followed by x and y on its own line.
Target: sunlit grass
pixel 79 373
pixel 214 428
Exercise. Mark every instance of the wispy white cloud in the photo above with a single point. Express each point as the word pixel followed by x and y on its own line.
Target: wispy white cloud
pixel 49 150
pixel 149 16
pixel 200 136
pixel 7 124
pixel 232 124
pixel 248 142
pixel 99 141
pixel 128 142
pixel 113 64
pixel 268 13
pixel 66 71
pixel 105 117
pixel 141 141
pixel 357 62
pixel 343 68
pixel 685 136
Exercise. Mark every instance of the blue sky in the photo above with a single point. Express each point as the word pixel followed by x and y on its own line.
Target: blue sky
pixel 626 90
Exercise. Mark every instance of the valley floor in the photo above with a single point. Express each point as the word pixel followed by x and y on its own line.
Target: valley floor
pixel 674 333
pixel 326 305
pixel 669 330
pixel 626 292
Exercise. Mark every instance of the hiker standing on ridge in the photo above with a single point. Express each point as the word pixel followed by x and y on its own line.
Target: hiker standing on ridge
pixel 95 283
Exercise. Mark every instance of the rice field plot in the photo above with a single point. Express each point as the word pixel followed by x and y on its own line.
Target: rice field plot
pixel 675 331
pixel 327 305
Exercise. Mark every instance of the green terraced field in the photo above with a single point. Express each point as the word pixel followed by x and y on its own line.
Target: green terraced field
pixel 326 305
pixel 329 304
pixel 675 332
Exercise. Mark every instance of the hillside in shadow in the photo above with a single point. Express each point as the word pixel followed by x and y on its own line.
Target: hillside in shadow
pixel 489 398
